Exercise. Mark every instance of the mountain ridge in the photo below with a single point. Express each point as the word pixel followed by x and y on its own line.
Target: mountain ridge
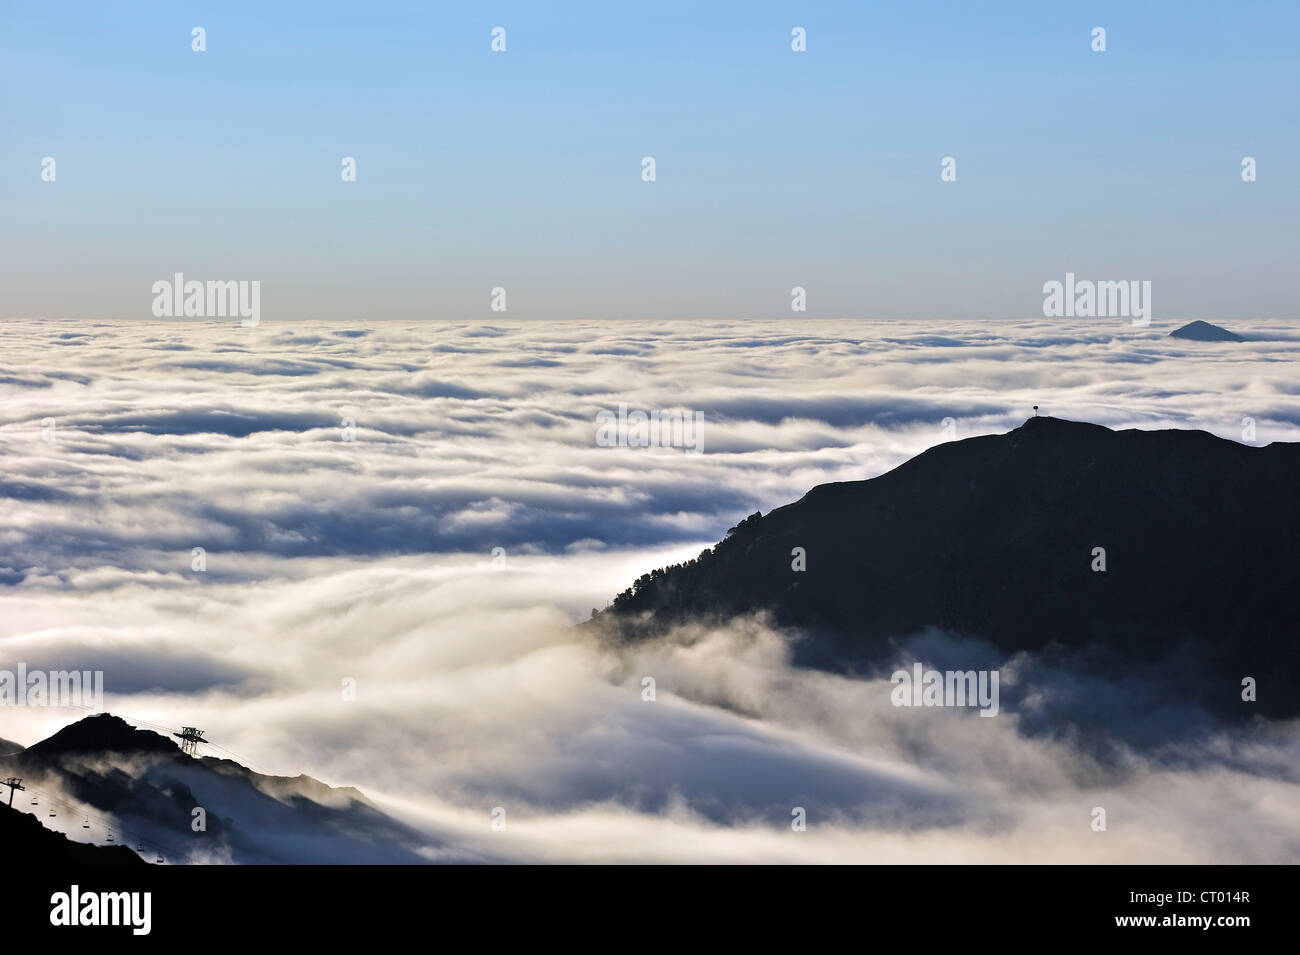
pixel 25 837
pixel 151 790
pixel 994 537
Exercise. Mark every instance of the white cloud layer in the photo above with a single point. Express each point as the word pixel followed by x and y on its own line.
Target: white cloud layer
pixel 372 559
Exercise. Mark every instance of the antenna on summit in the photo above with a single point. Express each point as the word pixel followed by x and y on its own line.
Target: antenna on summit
pixel 190 738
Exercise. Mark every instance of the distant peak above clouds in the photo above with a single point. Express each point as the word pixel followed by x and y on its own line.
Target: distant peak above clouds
pixel 1205 332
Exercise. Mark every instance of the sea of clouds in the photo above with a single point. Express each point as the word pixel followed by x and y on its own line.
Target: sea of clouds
pixel 423 508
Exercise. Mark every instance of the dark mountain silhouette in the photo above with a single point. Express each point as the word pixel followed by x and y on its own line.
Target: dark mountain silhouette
pixel 98 734
pixel 146 785
pixel 993 538
pixel 25 838
pixel 1205 332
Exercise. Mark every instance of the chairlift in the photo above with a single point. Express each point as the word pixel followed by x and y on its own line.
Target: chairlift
pixel 110 836
pixel 53 813
pixel 34 801
pixel 86 824
pixel 139 847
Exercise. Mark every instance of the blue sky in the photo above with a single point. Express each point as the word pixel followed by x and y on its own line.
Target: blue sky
pixel 522 169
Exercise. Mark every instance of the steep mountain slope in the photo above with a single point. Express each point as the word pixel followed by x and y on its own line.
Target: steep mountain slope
pixel 994 537
pixel 25 838
pixel 150 789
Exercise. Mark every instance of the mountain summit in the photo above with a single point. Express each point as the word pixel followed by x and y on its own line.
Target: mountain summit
pixel 1149 544
pixel 1205 332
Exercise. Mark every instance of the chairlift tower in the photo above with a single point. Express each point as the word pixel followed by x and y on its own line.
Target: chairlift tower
pixel 190 738
pixel 14 783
